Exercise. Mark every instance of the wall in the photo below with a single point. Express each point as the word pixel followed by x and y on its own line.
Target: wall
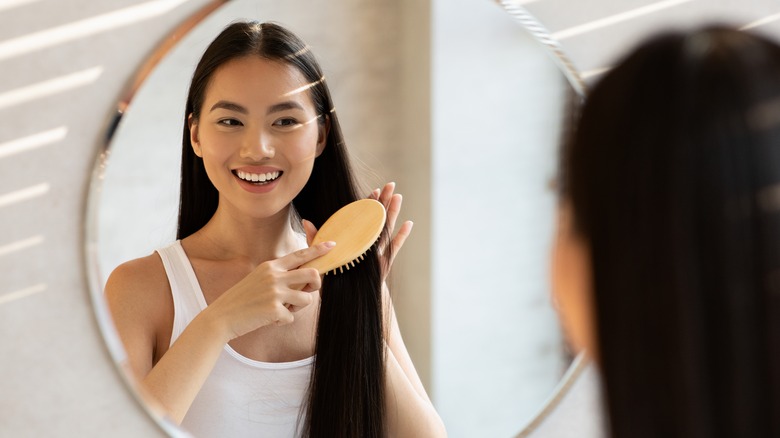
pixel 63 64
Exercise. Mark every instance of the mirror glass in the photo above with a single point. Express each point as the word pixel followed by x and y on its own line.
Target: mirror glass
pixel 471 138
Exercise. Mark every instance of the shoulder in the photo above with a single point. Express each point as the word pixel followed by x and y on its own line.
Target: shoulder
pixel 140 302
pixel 138 290
pixel 141 276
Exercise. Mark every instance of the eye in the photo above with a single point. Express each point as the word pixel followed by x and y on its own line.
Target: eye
pixel 286 122
pixel 229 122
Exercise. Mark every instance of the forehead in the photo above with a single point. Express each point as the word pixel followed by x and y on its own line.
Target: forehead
pixel 253 80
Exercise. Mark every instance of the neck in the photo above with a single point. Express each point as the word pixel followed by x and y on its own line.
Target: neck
pixel 235 236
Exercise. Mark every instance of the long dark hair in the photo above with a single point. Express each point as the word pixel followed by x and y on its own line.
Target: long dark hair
pixel 673 175
pixel 346 394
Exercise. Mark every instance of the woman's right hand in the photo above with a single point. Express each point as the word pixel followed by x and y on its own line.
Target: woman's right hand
pixel 270 294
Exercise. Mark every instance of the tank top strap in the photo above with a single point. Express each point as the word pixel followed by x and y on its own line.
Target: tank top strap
pixel 188 300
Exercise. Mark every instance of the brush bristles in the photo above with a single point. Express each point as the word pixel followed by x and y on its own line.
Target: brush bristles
pixel 352 264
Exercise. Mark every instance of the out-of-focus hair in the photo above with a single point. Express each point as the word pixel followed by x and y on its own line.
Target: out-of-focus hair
pixel 673 175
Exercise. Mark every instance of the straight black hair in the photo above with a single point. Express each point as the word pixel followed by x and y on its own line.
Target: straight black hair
pixel 673 175
pixel 346 395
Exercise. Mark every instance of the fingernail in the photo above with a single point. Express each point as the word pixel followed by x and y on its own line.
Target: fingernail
pixel 329 244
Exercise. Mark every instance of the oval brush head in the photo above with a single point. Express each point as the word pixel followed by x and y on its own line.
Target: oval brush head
pixel 355 227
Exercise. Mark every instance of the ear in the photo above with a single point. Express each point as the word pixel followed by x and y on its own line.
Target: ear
pixel 194 138
pixel 322 139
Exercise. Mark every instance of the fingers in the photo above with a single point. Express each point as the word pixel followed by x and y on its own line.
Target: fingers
pixel 403 233
pixel 297 258
pixel 298 300
pixel 400 238
pixel 307 279
pixel 386 194
pixel 392 202
pixel 310 230
pixel 393 210
pixel 300 285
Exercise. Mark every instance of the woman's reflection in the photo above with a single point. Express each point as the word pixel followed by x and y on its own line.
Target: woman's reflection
pixel 213 324
pixel 666 266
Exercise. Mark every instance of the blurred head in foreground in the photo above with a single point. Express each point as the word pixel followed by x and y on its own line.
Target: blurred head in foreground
pixel 667 260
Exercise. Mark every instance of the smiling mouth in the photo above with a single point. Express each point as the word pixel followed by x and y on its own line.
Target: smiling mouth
pixel 258 179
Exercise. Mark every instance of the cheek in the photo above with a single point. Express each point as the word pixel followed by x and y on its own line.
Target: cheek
pixel 213 145
pixel 215 156
pixel 571 293
pixel 303 148
pixel 212 156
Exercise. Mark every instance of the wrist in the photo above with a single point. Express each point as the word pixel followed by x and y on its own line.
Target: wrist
pixel 211 326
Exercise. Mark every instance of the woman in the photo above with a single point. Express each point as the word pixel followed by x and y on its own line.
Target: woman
pixel 221 327
pixel 666 263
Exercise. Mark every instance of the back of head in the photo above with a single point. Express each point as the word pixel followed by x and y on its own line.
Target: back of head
pixel 674 179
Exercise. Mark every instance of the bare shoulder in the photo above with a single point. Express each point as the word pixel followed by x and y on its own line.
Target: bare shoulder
pixel 139 298
pixel 140 282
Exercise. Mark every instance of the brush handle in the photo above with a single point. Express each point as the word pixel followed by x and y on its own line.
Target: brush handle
pixel 355 228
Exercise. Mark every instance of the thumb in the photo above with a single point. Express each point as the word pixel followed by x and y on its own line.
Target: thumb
pixel 310 230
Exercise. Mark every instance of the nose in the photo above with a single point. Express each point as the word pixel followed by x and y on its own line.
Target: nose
pixel 257 147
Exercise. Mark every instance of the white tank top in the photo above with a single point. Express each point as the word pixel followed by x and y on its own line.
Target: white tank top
pixel 241 397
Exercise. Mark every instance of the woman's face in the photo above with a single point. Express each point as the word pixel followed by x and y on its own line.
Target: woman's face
pixel 258 135
pixel 571 283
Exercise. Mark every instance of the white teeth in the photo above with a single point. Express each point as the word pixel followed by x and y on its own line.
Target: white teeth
pixel 257 177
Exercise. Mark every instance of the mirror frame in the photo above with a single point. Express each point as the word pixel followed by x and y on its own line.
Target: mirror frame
pixel 105 323
pixel 540 33
pixel 513 7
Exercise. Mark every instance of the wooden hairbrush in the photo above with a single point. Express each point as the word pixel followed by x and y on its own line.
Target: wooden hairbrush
pixel 355 228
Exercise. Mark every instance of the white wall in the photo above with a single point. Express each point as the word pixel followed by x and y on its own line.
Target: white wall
pixel 58 379
pixel 497 102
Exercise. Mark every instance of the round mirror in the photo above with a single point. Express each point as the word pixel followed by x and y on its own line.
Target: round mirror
pixel 458 104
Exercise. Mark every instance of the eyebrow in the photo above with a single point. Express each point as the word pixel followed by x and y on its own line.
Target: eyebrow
pixel 284 106
pixel 232 106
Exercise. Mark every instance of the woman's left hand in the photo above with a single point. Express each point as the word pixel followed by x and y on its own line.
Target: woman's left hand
pixel 388 247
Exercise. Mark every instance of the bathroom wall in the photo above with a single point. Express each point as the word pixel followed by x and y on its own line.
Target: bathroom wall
pixel 63 63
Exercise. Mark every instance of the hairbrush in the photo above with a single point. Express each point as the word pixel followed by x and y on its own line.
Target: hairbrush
pixel 355 228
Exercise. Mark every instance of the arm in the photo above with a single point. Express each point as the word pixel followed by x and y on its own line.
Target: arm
pixel 178 376
pixel 138 295
pixel 139 299
pixel 410 412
